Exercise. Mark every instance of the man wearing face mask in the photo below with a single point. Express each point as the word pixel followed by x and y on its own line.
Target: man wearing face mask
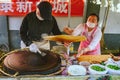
pixel 36 25
pixel 93 34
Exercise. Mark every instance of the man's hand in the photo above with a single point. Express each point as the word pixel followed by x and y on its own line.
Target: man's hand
pixel 33 48
pixel 22 45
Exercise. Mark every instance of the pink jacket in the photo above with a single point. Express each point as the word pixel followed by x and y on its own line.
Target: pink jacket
pixel 85 44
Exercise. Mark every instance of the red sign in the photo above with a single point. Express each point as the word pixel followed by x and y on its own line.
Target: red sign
pixel 60 7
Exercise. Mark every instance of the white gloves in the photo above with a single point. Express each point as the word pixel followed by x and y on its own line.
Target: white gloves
pixel 33 48
pixel 22 45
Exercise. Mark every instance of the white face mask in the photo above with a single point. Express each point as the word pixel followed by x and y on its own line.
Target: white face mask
pixel 90 25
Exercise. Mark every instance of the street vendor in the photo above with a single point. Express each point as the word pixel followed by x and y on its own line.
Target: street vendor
pixel 36 25
pixel 92 32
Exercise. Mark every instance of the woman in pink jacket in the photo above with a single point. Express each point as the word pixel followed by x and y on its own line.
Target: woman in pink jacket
pixel 92 32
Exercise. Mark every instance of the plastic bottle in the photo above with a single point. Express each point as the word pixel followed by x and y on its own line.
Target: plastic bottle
pixel 72 48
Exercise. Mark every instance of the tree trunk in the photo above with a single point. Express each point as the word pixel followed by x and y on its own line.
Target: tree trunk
pixel 102 42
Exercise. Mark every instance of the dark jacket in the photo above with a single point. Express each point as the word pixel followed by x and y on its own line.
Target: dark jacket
pixel 32 28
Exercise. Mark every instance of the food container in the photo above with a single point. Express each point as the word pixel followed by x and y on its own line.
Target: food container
pixel 97 69
pixel 76 70
pixel 113 68
pixel 86 64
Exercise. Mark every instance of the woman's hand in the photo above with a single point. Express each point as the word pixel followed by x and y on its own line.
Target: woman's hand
pixel 83 51
pixel 68 30
pixel 66 44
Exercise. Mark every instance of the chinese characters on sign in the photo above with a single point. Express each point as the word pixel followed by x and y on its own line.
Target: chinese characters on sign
pixel 24 6
pixel 6 7
pixel 60 7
